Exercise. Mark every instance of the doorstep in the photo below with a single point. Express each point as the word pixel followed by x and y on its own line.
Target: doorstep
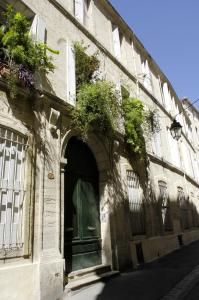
pixel 88 276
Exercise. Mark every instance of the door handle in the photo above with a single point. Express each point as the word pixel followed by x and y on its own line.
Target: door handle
pixel 69 229
pixel 90 228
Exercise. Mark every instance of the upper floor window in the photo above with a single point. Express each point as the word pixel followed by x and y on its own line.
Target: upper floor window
pixel 156 138
pixel 38 30
pixel 71 76
pixel 166 96
pixel 174 153
pixel 146 73
pixel 12 191
pixel 81 10
pixel 117 41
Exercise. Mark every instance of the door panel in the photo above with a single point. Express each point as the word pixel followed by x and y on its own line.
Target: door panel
pixel 82 243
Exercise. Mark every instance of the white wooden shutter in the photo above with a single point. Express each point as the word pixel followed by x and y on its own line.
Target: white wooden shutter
pixel 33 29
pixel 161 92
pixel 38 29
pixel 167 96
pixel 71 75
pixel 186 158
pixel 157 144
pixel 86 12
pixel 174 150
pixel 146 76
pixel 116 42
pixel 12 174
pixel 79 10
pixel 41 30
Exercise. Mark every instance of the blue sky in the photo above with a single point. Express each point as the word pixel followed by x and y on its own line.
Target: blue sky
pixel 169 30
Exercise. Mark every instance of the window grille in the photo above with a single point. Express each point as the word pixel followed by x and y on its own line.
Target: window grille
pixel 184 213
pixel 165 207
pixel 12 170
pixel 135 203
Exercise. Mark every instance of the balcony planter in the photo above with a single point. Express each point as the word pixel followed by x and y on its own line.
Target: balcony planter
pixel 20 56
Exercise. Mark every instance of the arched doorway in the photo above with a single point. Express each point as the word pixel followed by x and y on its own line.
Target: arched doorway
pixel 82 242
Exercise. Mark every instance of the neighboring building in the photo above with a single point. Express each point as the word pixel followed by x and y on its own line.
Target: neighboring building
pixel 132 213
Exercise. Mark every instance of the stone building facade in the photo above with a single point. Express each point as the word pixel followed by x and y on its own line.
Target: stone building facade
pixel 142 213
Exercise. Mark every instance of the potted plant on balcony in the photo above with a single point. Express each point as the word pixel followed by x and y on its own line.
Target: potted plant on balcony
pixel 20 56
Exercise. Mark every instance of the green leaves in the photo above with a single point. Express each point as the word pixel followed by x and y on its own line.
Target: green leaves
pixel 97 108
pixel 133 113
pixel 85 65
pixel 23 56
pixel 99 105
pixel 17 45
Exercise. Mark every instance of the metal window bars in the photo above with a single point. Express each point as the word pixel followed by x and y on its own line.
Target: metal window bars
pixel 12 192
pixel 136 206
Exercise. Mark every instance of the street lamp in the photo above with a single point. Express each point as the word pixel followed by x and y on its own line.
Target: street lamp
pixel 176 130
pixel 176 127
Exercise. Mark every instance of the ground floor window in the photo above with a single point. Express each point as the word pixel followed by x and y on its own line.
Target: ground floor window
pixel 165 206
pixel 12 192
pixel 184 209
pixel 136 205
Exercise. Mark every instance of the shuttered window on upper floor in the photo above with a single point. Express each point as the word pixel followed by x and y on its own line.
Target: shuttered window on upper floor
pixel 117 39
pixel 146 76
pixel 156 141
pixel 166 96
pixel 71 78
pixel 174 153
pixel 82 11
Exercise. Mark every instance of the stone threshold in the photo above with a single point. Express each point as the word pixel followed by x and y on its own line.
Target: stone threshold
pixel 88 276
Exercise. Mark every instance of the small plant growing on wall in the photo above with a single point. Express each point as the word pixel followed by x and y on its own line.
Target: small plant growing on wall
pixel 20 56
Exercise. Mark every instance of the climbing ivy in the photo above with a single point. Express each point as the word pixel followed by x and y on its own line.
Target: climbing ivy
pixel 86 66
pixel 133 114
pixel 100 107
pixel 97 108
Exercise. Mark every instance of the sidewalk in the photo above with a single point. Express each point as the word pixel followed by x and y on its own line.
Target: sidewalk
pixel 152 282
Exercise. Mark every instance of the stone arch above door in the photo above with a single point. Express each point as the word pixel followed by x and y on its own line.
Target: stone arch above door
pixel 98 149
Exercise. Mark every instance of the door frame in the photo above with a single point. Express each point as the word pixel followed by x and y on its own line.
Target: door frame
pixel 102 160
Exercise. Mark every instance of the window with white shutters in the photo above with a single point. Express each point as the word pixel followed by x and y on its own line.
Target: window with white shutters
pixel 166 97
pixel 135 203
pixel 156 140
pixel 147 80
pixel 79 10
pixel 116 41
pixel 165 206
pixel 174 156
pixel 38 30
pixel 12 192
pixel 71 78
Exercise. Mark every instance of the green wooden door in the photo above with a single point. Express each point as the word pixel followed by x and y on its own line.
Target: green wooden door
pixel 82 244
